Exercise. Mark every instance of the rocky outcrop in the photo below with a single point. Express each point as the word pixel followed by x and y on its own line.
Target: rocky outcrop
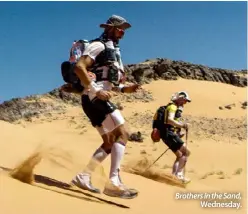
pixel 68 98
pixel 55 101
pixel 28 107
pixel 136 137
pixel 243 105
pixel 172 70
pixel 34 106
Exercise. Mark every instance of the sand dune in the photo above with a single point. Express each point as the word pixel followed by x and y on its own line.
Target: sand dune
pixel 65 144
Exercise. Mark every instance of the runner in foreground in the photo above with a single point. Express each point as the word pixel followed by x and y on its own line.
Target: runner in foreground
pixel 103 59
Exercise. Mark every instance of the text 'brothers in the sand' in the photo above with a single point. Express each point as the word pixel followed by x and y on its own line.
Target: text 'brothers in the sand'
pixel 213 199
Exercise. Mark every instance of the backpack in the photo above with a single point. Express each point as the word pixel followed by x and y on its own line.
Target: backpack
pixel 78 47
pixel 158 118
pixel 158 121
pixel 76 51
pixel 67 67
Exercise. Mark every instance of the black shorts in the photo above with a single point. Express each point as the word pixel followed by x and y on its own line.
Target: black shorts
pixel 96 110
pixel 172 140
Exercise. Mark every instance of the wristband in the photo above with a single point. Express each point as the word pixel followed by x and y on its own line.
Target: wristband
pixel 94 87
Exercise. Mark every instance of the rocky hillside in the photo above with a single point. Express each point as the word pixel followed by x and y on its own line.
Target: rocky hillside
pixel 33 106
pixel 54 101
pixel 172 70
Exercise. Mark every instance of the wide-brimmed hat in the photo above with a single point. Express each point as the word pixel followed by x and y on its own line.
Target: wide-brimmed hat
pixel 116 21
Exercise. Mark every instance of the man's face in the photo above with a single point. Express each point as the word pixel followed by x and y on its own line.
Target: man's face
pixel 119 32
pixel 115 33
pixel 181 101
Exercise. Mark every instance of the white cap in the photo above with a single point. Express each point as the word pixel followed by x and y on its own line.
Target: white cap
pixel 179 94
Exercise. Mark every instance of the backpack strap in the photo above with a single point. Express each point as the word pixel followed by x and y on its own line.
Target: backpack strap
pixel 166 119
pixel 103 41
pixel 106 58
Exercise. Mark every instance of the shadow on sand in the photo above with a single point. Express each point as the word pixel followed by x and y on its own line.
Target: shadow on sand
pixel 50 182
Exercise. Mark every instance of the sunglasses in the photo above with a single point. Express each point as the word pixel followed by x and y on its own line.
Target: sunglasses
pixel 120 31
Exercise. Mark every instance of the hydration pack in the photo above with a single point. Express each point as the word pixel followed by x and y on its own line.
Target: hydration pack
pixel 159 120
pixel 106 57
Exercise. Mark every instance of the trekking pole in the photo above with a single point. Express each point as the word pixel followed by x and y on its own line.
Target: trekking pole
pixel 186 142
pixel 157 159
pixel 187 131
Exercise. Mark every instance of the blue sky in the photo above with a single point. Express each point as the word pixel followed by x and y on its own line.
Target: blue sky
pixel 35 37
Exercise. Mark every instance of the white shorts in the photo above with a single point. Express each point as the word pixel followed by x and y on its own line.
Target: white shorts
pixel 111 122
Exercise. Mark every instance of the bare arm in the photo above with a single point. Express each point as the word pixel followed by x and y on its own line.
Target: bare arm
pixel 85 62
pixel 81 70
pixel 127 89
pixel 82 73
pixel 173 122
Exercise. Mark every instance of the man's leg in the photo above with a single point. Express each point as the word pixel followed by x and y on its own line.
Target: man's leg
pixel 176 145
pixel 111 127
pixel 185 154
pixel 175 166
pixel 118 137
pixel 83 179
pixel 115 186
pixel 99 155
pixel 117 153
pixel 182 156
pixel 168 139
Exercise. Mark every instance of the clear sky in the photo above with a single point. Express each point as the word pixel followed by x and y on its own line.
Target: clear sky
pixel 35 37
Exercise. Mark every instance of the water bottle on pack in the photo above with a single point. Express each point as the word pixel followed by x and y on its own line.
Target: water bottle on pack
pixel 77 50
